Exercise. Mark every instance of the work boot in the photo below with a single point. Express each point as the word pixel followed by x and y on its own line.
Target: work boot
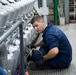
pixel 35 66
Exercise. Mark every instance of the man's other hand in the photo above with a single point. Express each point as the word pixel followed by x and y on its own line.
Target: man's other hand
pixel 31 46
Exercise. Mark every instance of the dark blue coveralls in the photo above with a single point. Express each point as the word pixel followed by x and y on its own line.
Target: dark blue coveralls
pixel 54 37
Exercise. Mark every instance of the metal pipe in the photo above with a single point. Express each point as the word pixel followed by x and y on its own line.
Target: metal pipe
pixel 66 11
pixel 5 35
pixel 56 12
pixel 45 19
pixel 21 49
pixel 44 5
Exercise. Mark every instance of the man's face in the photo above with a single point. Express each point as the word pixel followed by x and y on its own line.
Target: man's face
pixel 38 26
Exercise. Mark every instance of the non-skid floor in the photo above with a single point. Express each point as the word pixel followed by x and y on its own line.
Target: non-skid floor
pixel 70 31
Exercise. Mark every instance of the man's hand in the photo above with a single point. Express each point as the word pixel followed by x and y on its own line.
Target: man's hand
pixel 40 61
pixel 31 46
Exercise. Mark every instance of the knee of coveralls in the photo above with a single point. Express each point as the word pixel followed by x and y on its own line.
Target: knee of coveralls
pixel 38 54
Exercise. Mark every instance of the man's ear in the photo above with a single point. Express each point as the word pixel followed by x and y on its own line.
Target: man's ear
pixel 42 21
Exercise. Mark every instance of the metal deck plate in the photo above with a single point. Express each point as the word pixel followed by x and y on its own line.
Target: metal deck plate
pixel 68 71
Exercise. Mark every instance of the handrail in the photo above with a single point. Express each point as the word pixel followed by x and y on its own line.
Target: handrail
pixel 6 34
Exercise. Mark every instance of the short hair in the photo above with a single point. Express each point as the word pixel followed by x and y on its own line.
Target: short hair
pixel 36 18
